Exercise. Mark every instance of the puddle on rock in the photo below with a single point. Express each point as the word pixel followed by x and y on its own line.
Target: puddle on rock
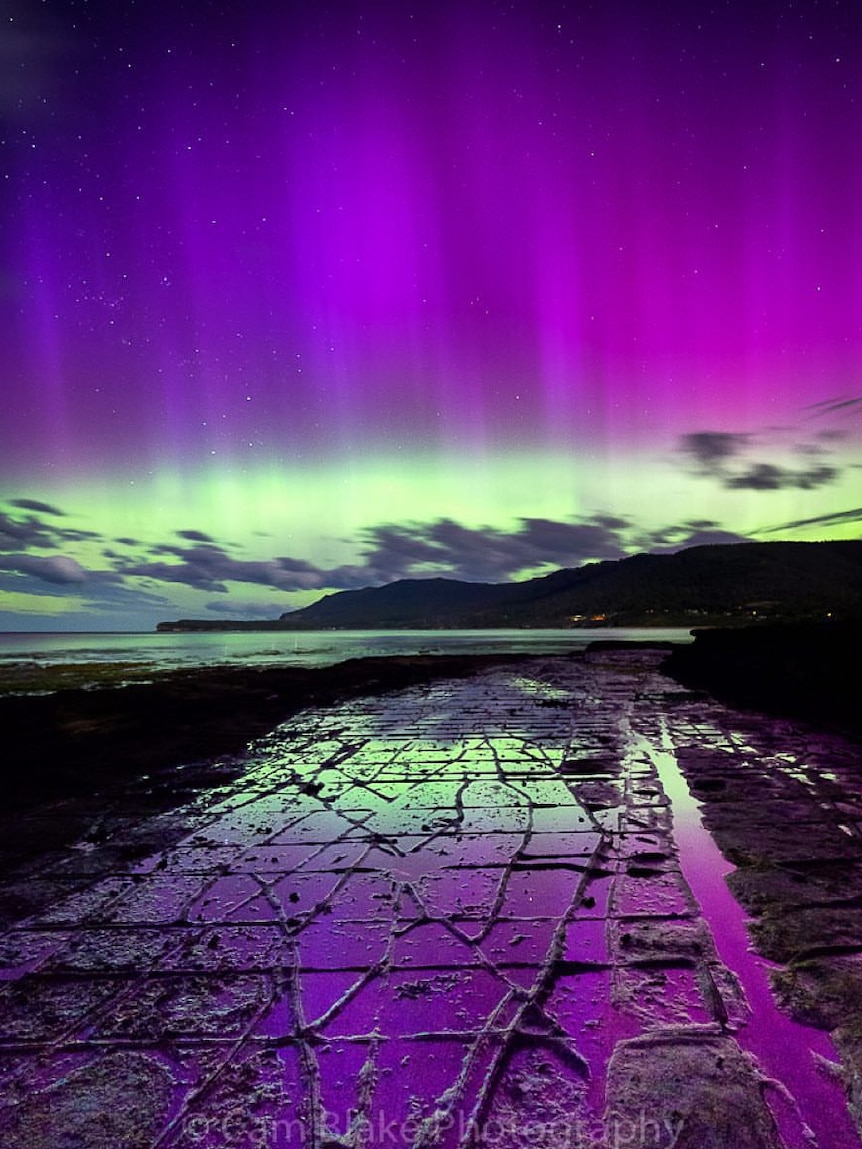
pixel 806 1102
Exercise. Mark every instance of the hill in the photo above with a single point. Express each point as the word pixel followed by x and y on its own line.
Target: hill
pixel 742 581
pixel 711 584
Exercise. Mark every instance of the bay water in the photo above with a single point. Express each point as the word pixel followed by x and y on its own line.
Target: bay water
pixel 172 651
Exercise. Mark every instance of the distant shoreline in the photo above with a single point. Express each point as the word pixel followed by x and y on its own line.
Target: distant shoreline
pixel 669 621
pixel 203 625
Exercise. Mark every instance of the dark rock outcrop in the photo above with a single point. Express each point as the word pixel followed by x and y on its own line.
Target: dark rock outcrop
pixel 805 670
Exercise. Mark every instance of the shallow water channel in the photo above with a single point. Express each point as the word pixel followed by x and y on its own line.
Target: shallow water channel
pixel 806 1099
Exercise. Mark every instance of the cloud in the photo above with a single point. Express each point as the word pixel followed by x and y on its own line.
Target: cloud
pixel 571 543
pixel 15 583
pixel 204 565
pixel 36 505
pixel 16 534
pixel 134 579
pixel 389 551
pixel 57 569
pixel 26 532
pixel 93 601
pixel 712 450
pixel 713 538
pixel 41 575
pixel 106 592
pixel 769 477
pixel 830 520
pixel 208 567
pixel 235 609
pixel 486 554
pixel 63 576
pixel 726 457
pixel 693 533
pixel 830 406
pixel 195 536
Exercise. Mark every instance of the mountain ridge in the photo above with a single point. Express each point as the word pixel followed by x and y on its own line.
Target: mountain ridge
pixel 718 583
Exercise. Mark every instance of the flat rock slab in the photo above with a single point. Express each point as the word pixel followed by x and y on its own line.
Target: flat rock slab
pixel 450 916
pixel 689 1090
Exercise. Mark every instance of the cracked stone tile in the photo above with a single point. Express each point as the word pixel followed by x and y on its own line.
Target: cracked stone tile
pixel 257 946
pixel 532 890
pixel 24 951
pixel 701 1088
pixel 576 843
pixel 520 940
pixel 479 850
pixel 468 893
pixel 98 949
pixel 116 1097
pixel 258 1097
pixel 642 889
pixel 352 944
pixel 417 1097
pixel 185 1006
pixel 157 898
pixel 539 1099
pixel 586 941
pixel 41 1009
pixel 84 905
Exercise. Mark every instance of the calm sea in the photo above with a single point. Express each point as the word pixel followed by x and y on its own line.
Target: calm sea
pixel 308 648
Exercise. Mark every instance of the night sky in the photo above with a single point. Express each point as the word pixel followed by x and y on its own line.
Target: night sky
pixel 306 296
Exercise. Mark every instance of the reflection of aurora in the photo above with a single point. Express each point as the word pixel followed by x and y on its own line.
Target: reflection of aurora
pixel 284 285
pixel 769 1034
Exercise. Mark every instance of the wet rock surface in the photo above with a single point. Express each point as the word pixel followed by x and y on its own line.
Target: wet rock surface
pixel 73 739
pixel 456 915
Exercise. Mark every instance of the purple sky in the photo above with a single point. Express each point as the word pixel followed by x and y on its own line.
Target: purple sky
pixel 245 244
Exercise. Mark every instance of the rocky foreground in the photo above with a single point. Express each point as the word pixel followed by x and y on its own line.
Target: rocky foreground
pixel 803 670
pixel 479 911
pixel 73 730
